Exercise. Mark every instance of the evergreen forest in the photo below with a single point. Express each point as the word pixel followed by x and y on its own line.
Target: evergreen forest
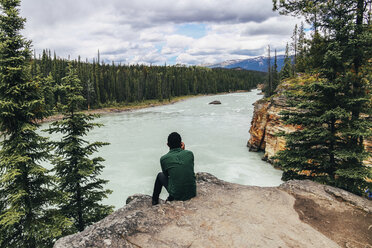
pixel 110 84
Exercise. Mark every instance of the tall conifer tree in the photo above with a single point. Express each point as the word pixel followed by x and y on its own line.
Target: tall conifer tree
pixel 286 70
pixel 275 73
pixel 27 216
pixel 301 48
pixel 269 83
pixel 294 46
pixel 333 104
pixel 78 172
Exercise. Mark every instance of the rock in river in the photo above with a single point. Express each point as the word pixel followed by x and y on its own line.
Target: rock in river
pixel 215 102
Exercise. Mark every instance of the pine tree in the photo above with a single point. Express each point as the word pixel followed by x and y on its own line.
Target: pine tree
pixel 286 71
pixel 307 9
pixel 275 76
pixel 294 46
pixel 89 92
pixel 48 90
pixel 300 63
pixel 27 215
pixel 97 81
pixel 78 172
pixel 332 107
pixel 317 50
pixel 269 83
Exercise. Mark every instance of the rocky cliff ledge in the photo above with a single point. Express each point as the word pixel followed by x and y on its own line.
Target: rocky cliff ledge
pixel 266 123
pixel 295 214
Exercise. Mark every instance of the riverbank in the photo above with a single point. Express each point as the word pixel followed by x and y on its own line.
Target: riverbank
pixel 117 108
pixel 120 107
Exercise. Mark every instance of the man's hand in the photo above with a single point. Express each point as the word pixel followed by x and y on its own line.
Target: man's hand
pixel 182 146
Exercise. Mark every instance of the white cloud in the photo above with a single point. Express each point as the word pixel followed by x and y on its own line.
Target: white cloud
pixel 277 25
pixel 145 31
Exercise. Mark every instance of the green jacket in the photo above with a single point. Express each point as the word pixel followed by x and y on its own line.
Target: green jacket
pixel 178 166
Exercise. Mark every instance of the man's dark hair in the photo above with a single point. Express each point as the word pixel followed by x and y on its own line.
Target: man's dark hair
pixel 174 140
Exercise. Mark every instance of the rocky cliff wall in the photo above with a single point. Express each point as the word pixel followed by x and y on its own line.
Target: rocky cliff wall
pixel 296 214
pixel 266 123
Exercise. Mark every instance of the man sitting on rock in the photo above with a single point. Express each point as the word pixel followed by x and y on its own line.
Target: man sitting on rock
pixel 177 175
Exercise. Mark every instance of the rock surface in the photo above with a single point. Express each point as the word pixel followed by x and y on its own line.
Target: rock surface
pixel 266 123
pixel 232 215
pixel 215 102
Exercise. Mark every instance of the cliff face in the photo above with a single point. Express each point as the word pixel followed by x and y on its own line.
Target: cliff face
pixel 265 124
pixel 296 214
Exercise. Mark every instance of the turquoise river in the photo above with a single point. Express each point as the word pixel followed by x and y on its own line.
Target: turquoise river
pixel 217 134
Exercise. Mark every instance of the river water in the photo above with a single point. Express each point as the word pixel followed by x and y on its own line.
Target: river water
pixel 217 135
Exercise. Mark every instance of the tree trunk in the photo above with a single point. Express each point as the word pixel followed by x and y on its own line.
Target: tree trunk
pixel 79 210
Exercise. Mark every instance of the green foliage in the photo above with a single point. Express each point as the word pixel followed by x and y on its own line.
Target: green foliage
pixel 77 171
pixel 27 214
pixel 321 150
pixel 332 109
pixel 275 74
pixel 294 47
pixel 316 54
pixel 300 63
pixel 307 9
pixel 286 71
pixel 48 91
pixel 272 80
pixel 104 83
pixel 268 87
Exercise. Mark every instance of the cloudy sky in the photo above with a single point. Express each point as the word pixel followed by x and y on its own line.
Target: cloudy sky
pixel 156 31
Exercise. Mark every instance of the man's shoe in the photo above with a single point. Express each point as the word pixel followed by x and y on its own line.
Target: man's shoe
pixel 170 198
pixel 155 202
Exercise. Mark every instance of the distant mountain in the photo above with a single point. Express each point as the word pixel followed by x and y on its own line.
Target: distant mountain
pixel 255 64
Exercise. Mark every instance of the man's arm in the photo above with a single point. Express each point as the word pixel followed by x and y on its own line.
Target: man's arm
pixel 164 170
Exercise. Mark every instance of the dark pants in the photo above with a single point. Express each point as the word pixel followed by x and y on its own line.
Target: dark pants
pixel 161 181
